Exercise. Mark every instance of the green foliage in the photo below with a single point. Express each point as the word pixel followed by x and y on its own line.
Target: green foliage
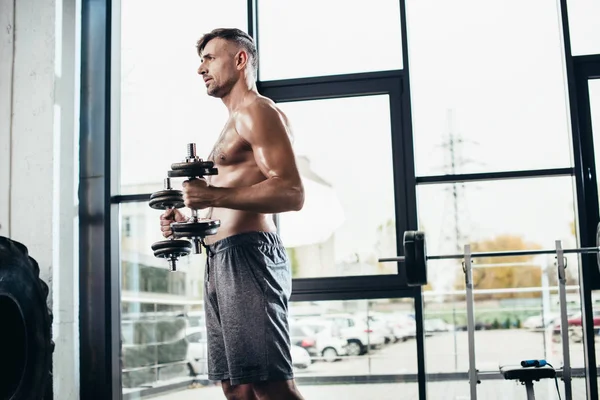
pixel 293 257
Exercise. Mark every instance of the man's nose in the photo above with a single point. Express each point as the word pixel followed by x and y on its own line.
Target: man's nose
pixel 201 70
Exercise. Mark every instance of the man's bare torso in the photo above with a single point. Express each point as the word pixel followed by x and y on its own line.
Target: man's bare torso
pixel 234 159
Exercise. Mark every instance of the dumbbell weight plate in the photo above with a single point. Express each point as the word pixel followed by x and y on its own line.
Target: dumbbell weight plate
pixel 193 164
pixel 172 248
pixel 166 192
pixel 166 199
pixel 200 229
pixel 415 252
pixel 191 171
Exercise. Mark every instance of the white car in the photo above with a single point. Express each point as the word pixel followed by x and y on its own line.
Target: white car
pixel 300 357
pixel 403 326
pixel 357 333
pixel 327 343
pixel 197 354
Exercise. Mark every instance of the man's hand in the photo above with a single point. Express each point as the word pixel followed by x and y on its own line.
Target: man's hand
pixel 167 218
pixel 197 195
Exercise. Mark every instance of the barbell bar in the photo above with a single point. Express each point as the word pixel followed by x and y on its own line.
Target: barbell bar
pixel 415 255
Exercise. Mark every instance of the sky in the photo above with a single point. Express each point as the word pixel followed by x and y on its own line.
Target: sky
pixel 489 73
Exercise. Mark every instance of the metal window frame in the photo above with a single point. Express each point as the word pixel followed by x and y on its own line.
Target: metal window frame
pixel 99 279
pixel 99 246
pixel 583 69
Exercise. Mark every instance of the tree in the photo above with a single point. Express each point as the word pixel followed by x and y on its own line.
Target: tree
pixel 293 261
pixel 503 276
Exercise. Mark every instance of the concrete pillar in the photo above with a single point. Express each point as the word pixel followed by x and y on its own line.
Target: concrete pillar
pixel 39 72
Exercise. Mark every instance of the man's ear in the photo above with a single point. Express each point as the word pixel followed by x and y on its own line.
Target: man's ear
pixel 241 59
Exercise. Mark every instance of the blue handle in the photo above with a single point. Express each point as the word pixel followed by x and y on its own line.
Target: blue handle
pixel 533 363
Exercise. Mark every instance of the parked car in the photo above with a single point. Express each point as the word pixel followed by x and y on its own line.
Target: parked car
pixel 536 322
pixel 197 355
pixel 575 324
pixel 320 338
pixel 377 323
pixel 198 352
pixel 435 325
pixel 403 326
pixel 300 357
pixel 357 334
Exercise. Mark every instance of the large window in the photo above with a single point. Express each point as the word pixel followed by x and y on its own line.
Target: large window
pixel 379 153
pixel 315 38
pixel 488 99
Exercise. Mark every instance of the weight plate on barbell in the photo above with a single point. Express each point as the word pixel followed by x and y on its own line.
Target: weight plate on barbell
pixel 195 229
pixel 167 192
pixel 168 200
pixel 172 248
pixel 193 164
pixel 415 253
pixel 191 172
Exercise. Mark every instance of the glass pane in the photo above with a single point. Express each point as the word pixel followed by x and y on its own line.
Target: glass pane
pixel 164 104
pixel 348 219
pixel 519 213
pixel 583 26
pixel 316 38
pixel 516 298
pixel 355 337
pixel 484 97
pixel 517 315
pixel 162 323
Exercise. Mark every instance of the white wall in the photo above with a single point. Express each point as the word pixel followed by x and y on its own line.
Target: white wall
pixel 38 167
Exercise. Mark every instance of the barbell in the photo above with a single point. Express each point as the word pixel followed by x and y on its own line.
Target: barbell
pixel 415 255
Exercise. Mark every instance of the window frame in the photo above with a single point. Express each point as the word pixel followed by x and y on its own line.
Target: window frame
pixel 99 280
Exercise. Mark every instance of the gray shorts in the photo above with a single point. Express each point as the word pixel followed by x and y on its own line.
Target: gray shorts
pixel 247 287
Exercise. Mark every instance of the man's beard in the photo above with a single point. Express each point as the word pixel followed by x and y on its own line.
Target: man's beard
pixel 220 91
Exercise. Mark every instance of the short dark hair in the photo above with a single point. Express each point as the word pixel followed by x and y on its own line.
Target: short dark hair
pixel 234 35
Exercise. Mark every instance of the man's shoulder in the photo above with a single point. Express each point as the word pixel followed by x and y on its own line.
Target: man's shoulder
pixel 260 106
pixel 260 117
pixel 261 110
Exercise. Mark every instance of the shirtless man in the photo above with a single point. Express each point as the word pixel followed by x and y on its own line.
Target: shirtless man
pixel 247 283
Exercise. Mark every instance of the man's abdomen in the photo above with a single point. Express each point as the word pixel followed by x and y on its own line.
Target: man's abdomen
pixel 236 221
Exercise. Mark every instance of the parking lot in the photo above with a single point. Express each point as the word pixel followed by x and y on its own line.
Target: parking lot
pixel 493 348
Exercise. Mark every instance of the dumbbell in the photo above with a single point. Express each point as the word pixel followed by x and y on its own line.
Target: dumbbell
pixel 171 249
pixel 194 229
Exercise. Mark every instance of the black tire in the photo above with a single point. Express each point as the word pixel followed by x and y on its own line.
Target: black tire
pixel 26 335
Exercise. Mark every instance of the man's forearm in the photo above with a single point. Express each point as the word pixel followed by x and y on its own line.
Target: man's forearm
pixel 273 195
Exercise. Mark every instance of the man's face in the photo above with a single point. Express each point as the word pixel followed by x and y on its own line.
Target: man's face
pixel 218 67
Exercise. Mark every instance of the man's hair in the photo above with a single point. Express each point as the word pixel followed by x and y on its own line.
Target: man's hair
pixel 233 35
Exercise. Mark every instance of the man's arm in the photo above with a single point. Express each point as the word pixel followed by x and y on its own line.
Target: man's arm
pixel 262 127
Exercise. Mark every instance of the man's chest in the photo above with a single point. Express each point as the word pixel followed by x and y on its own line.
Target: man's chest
pixel 229 148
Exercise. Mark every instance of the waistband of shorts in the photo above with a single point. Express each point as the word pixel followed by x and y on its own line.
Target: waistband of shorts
pixel 244 239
